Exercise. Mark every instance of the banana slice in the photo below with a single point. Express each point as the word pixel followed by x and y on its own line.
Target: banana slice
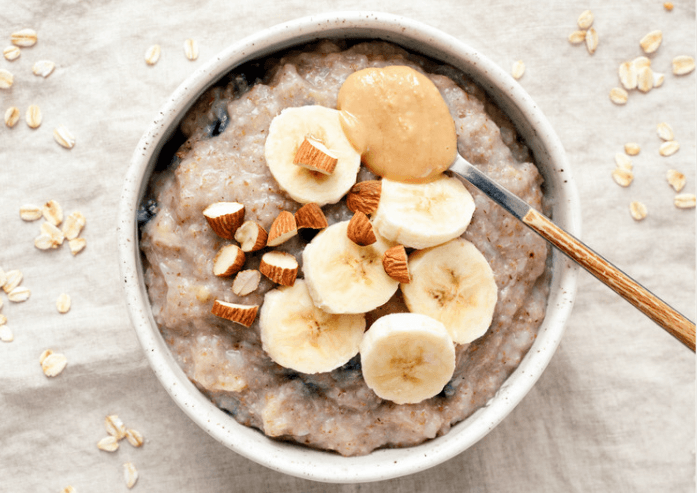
pixel 298 335
pixel 319 124
pixel 454 284
pixel 425 214
pixel 344 277
pixel 407 357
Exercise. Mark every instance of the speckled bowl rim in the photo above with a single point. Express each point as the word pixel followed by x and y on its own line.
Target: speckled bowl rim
pixel 381 464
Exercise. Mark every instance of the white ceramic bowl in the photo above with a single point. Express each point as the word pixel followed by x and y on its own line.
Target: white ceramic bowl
pixel 531 125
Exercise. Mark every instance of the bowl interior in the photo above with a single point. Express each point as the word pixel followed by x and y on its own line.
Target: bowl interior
pixel 533 128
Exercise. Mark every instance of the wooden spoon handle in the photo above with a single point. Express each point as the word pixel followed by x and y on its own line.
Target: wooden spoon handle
pixel 656 309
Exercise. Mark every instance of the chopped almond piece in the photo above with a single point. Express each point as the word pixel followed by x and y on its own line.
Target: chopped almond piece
pixel 314 156
pixel 282 229
pixel 394 260
pixel 360 230
pixel 251 236
pixel 364 196
pixel 242 314
pixel 246 281
pixel 310 216
pixel 280 267
pixel 228 261
pixel 224 218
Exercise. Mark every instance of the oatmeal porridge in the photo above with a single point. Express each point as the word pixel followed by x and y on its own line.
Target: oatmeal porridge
pixel 223 159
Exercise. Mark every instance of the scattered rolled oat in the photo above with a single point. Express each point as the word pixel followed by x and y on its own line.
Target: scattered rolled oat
pixel 669 148
pixel 676 179
pixel 130 474
pixel 628 75
pixel 33 116
pixel 651 41
pixel 152 55
pixel 6 79
pixel 53 212
pixel 3 319
pixel 52 232
pixel 68 489
pixel 52 363
pixel 19 294
pixel 683 65
pixel 24 38
pixel 618 95
pixel 623 177
pixel 632 148
pixel 11 53
pixel 591 40
pixel 73 225
pixel 685 201
pixel 645 79
pixel 44 242
pixel 6 334
pixel 134 437
pixel 518 69
pixel 637 210
pixel 577 37
pixel 11 116
pixel 668 6
pixel 665 131
pixel 114 426
pixel 64 137
pixel 641 62
pixel 623 161
pixel 585 20
pixel 191 49
pixel 43 68
pixel 63 303
pixel 658 79
pixel 12 279
pixel 108 444
pixel 30 212
pixel 77 245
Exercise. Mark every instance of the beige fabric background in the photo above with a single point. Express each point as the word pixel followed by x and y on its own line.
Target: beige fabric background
pixel 614 411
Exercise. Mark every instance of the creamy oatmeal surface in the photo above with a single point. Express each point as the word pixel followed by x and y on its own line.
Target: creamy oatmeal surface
pixel 223 160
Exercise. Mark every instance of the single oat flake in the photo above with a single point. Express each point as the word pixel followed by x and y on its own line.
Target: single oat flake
pixel 668 6
pixel 591 40
pixel 577 37
pixel 641 62
pixel 645 79
pixel 108 444
pixel 658 79
pixel 77 245
pixel 19 294
pixel 53 212
pixel 637 210
pixel 623 177
pixel 63 303
pixel 64 137
pixel 618 95
pixel 651 41
pixel 134 437
pixel 628 75
pixel 11 53
pixel 685 201
pixel 585 20
pixel 622 161
pixel 130 474
pixel 683 65
pixel 44 242
pixel 6 334
pixel 114 426
pixel 676 179
pixel 68 489
pixel 518 69
pixel 11 116
pixel 152 55
pixel 24 38
pixel 632 148
pixel 73 225
pixel 3 319
pixel 191 49
pixel 12 279
pixel 6 79
pixel 669 148
pixel 33 116
pixel 665 132
pixel 43 68
pixel 53 363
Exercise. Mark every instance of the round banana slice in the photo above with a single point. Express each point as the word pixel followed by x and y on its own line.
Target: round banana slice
pixel 343 277
pixel 298 335
pixel 407 357
pixel 454 284
pixel 320 125
pixel 425 214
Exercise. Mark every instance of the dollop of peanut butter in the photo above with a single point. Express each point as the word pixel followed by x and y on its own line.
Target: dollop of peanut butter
pixel 397 119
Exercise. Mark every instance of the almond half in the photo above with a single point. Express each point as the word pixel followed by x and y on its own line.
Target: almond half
pixel 241 314
pixel 360 230
pixel 280 267
pixel 224 218
pixel 228 261
pixel 310 216
pixel 251 236
pixel 315 156
pixel 364 196
pixel 395 263
pixel 282 229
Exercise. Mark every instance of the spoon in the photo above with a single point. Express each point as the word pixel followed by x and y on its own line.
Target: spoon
pixel 657 310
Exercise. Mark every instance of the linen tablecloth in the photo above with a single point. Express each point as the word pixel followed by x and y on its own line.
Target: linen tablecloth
pixel 615 409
